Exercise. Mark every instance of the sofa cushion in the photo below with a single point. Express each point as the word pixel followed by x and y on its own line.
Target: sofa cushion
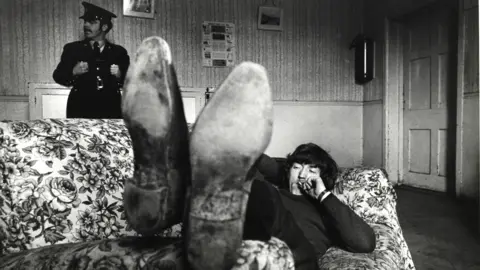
pixel 141 253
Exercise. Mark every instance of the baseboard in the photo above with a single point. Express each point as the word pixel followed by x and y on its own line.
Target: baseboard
pixel 470 95
pixel 421 190
pixel 13 98
pixel 372 102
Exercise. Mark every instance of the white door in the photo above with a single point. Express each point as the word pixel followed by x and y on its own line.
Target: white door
pixel 429 97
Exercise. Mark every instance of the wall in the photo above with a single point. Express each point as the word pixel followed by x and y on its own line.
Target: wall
pixel 308 61
pixel 374 25
pixel 469 182
pixel 373 133
pixel 336 126
pixel 469 188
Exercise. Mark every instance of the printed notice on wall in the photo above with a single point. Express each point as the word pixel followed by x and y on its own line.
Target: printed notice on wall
pixel 218 44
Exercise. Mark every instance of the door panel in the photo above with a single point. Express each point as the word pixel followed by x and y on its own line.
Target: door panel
pixel 418 151
pixel 419 88
pixel 442 81
pixel 429 69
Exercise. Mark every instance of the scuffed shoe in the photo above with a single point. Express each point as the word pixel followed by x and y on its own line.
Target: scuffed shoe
pixel 154 199
pixel 231 132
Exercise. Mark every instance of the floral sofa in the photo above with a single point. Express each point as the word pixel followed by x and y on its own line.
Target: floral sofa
pixel 61 183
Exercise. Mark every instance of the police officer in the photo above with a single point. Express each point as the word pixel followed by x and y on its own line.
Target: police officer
pixel 94 68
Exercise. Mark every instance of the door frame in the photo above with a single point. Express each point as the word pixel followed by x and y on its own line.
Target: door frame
pixel 394 101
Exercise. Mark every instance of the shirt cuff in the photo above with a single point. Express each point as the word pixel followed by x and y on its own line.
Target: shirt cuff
pixel 323 195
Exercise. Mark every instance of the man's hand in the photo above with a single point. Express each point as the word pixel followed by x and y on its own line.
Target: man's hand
pixel 312 186
pixel 80 68
pixel 115 71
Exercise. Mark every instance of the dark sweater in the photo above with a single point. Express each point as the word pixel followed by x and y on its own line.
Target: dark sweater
pixel 324 224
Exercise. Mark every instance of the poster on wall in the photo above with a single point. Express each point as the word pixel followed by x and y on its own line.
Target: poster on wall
pixel 218 44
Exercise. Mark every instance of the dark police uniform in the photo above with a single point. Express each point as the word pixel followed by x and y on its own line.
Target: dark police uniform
pixel 96 93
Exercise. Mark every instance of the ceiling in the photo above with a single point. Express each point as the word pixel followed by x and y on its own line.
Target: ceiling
pixel 398 8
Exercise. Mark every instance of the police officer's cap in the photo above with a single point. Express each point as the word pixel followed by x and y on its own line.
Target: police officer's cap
pixel 93 12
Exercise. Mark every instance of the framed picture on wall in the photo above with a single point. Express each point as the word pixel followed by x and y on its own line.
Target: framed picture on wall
pixel 270 18
pixel 139 8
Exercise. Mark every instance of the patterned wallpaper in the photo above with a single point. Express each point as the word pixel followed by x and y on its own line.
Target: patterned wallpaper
pixel 308 61
pixel 375 13
pixel 470 18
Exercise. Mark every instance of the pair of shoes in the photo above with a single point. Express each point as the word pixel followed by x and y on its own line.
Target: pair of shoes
pixel 200 178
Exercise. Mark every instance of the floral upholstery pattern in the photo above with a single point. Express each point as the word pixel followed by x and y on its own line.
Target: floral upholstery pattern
pixel 61 184
pixel 140 253
pixel 369 193
pixel 273 254
pixel 62 181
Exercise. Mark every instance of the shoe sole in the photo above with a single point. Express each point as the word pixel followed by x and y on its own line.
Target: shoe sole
pixel 231 132
pixel 153 113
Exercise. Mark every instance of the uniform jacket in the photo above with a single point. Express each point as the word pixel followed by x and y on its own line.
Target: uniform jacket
pixel 77 51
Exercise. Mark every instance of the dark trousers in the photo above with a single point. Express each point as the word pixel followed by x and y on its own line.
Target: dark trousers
pixel 266 217
pixel 94 104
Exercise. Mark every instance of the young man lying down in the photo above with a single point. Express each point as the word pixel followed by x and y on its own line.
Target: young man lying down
pixel 201 179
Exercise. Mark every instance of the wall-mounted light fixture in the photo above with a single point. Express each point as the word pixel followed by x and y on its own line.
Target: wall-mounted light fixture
pixel 364 58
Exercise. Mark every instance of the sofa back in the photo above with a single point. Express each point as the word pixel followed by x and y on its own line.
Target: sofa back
pixel 62 181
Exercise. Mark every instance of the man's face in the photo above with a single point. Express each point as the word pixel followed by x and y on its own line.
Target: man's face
pixel 299 173
pixel 92 29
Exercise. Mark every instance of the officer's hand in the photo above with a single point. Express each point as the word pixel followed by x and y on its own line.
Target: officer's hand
pixel 115 71
pixel 80 68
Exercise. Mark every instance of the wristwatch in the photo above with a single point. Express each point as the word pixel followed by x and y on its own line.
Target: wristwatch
pixel 323 195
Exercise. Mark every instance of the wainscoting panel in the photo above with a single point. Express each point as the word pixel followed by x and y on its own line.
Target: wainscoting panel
pixel 14 107
pixel 373 133
pixel 335 126
pixel 470 185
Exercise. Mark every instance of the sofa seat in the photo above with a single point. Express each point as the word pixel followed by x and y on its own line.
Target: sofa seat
pixel 61 185
pixel 139 253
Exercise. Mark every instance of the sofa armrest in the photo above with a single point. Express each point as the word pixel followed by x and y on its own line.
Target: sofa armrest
pixel 369 193
pixel 386 256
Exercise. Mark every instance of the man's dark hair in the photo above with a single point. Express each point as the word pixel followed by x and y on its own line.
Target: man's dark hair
pixel 311 153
